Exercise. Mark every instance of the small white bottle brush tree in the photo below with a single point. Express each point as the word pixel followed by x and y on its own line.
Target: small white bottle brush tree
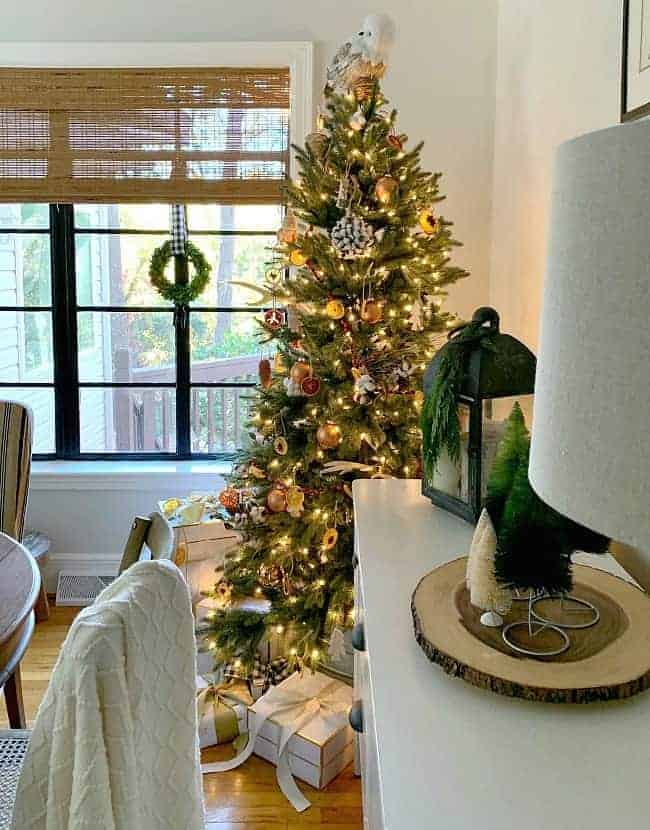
pixel 485 592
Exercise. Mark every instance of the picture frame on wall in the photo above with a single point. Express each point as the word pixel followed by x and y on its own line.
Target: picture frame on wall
pixel 635 70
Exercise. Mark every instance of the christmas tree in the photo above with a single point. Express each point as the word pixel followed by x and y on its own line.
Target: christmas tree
pixel 534 541
pixel 355 286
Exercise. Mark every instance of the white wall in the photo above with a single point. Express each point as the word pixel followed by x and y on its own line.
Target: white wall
pixel 558 75
pixel 86 509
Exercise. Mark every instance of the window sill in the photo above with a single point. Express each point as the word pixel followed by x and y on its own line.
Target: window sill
pixel 128 475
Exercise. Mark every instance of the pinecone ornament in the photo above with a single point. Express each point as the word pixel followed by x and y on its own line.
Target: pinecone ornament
pixel 352 236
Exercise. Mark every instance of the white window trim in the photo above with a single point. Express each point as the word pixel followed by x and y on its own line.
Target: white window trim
pixel 297 55
pixel 157 476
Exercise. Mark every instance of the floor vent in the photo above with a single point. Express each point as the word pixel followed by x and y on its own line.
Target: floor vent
pixel 80 589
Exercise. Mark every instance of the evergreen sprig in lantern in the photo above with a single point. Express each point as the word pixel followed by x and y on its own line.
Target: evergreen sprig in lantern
pixel 469 388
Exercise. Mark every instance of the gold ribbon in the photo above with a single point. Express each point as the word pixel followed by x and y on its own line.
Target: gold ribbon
pixel 226 726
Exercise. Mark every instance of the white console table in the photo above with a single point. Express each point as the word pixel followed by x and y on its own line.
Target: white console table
pixel 439 754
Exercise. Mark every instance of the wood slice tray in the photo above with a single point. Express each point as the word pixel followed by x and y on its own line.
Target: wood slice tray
pixel 610 661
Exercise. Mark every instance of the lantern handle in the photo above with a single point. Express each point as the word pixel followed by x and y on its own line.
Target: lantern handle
pixel 482 315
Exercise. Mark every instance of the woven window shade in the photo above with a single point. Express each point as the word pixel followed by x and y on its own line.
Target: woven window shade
pixel 143 135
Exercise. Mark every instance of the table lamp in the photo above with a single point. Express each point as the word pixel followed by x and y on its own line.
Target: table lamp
pixel 590 455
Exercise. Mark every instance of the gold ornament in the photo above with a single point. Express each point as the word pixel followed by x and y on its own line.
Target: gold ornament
pixel 386 189
pixel 276 500
pixel 264 370
pixel 329 435
pixel 330 538
pixel 317 143
pixel 288 233
pixel 428 222
pixel 299 371
pixel 418 397
pixel 256 471
pixel 297 258
pixel 278 364
pixel 271 576
pixel 229 498
pixel 280 445
pixel 180 555
pixel 371 311
pixel 295 501
pixel 363 87
pixel 335 309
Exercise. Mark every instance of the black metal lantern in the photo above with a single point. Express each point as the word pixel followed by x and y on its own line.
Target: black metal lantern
pixel 497 370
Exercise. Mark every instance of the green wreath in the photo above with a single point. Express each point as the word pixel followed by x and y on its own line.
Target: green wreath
pixel 179 294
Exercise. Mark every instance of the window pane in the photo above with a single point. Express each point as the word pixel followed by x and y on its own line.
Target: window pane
pixel 41 402
pixel 24 216
pixel 126 346
pixel 122 217
pixel 219 418
pixel 239 258
pixel 114 269
pixel 25 269
pixel 26 347
pixel 127 420
pixel 234 217
pixel 225 346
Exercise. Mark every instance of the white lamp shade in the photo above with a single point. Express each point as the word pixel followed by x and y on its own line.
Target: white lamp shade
pixel 590 456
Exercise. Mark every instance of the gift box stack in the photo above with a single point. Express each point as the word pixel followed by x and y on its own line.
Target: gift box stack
pixel 301 725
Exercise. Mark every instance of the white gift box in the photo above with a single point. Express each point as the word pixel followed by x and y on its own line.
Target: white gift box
pixel 322 748
pixel 238 700
pixel 200 549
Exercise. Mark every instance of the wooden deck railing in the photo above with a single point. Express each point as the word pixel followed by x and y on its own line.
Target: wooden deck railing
pixel 217 414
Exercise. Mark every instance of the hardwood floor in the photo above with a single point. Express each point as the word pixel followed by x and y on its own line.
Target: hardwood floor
pixel 247 798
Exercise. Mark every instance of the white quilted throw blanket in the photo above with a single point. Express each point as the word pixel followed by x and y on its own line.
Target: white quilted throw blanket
pixel 115 745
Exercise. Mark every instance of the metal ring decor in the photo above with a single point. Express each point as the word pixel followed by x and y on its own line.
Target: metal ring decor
pixel 568 597
pixel 175 293
pixel 533 652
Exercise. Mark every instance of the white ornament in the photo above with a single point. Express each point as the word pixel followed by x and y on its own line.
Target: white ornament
pixel 357 121
pixel 364 387
pixel 336 648
pixel 293 389
pixel 416 316
pixel 352 236
pixel 485 592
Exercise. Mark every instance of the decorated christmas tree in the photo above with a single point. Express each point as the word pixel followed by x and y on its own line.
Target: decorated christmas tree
pixel 355 287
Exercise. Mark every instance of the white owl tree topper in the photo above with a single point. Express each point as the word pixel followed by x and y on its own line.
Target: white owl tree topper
pixel 364 55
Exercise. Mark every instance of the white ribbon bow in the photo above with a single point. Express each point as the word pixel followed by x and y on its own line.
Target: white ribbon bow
pixel 298 710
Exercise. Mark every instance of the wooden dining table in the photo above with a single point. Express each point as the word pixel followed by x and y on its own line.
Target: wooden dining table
pixel 20 583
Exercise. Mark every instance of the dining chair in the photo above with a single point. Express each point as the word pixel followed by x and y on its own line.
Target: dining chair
pixel 150 535
pixel 16 431
pixel 115 741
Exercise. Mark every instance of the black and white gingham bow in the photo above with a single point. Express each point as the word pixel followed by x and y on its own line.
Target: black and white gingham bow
pixel 178 223
pixel 262 676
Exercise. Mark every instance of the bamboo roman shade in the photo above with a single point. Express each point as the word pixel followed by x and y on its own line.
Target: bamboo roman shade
pixel 143 135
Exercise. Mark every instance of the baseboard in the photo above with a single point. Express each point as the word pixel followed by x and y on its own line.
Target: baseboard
pixel 98 564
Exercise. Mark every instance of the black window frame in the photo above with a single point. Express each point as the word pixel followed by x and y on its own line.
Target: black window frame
pixel 64 310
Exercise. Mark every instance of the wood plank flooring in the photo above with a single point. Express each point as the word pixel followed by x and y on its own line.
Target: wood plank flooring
pixel 247 798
